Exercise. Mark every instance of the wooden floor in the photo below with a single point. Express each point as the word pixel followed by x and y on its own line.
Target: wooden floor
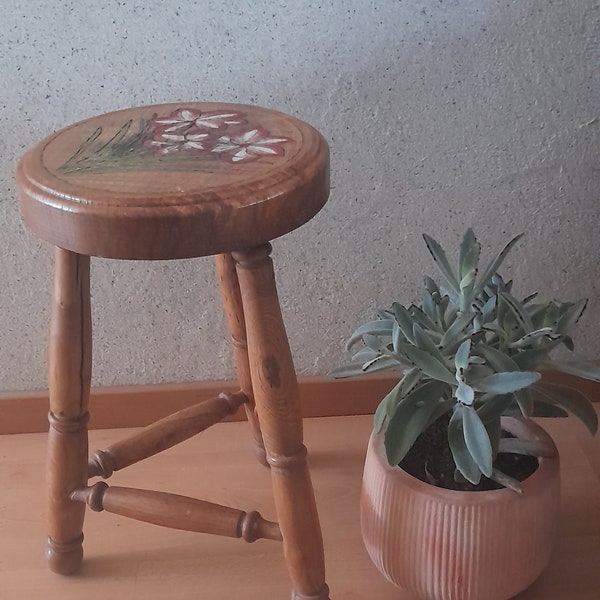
pixel 126 560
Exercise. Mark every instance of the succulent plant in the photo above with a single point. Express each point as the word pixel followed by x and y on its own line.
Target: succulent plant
pixel 473 351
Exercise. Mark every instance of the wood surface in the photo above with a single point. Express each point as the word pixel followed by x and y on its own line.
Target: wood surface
pixel 136 561
pixel 275 390
pixel 69 373
pixel 163 434
pixel 100 188
pixel 177 512
pixel 234 312
pixel 140 405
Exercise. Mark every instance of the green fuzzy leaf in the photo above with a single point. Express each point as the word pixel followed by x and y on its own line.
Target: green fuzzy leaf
pixel 489 308
pixel 381 363
pixel 410 419
pixel 444 405
pixel 542 409
pixel 456 333
pixel 498 360
pixel 365 355
pixel 404 319
pixel 422 318
pixel 410 380
pixel 504 383
pixel 461 359
pixel 387 407
pixel 397 336
pixel 528 360
pixel 476 372
pixel 431 286
pixel 525 402
pixel 375 343
pixel 427 363
pixel 568 342
pixel 506 481
pixel 379 327
pixel 570 399
pixel 537 448
pixel 465 463
pixel 544 315
pixel 467 281
pixel 495 264
pixel 494 431
pixel 570 314
pixel 581 369
pixel 439 256
pixel 529 298
pixel 429 306
pixel 519 312
pixel 464 393
pixel 477 440
pixel 424 342
pixel 468 256
pixel 491 407
pixel 529 338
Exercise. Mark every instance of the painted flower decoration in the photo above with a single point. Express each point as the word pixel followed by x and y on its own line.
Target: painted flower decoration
pixel 166 143
pixel 182 139
pixel 186 118
pixel 249 145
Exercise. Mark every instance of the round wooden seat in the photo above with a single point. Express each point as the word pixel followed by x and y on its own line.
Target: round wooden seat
pixel 174 181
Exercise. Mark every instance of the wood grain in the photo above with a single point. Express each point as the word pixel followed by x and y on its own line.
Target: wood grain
pixel 163 434
pixel 234 312
pixel 177 512
pixel 277 402
pixel 176 205
pixel 69 373
pixel 128 559
pixel 140 405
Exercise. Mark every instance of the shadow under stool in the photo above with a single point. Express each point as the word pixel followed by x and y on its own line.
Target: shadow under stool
pixel 179 181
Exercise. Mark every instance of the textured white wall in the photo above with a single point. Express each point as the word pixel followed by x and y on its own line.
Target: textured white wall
pixel 440 115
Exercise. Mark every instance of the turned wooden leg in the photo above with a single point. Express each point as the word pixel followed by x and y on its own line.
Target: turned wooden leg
pixel 232 302
pixel 69 364
pixel 276 395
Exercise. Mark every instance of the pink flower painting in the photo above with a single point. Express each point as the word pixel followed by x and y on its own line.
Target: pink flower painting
pixel 185 139
pixel 249 145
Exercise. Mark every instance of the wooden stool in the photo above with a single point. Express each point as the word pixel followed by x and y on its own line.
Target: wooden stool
pixel 168 182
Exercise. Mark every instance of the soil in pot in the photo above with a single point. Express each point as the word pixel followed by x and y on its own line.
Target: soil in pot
pixel 430 460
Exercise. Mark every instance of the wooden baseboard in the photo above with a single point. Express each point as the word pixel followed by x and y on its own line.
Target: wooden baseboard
pixel 140 405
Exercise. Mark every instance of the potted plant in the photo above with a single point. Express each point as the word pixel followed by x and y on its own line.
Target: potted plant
pixel 460 488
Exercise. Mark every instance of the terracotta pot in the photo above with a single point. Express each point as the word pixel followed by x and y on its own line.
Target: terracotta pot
pixel 443 544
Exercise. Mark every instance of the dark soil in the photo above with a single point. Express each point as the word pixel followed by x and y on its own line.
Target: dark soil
pixel 430 460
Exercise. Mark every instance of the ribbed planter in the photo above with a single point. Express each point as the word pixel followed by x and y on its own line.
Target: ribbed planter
pixel 443 544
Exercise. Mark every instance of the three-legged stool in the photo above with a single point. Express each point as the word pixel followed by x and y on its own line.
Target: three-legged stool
pixel 170 182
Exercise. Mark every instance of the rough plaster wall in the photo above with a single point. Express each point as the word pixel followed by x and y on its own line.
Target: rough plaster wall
pixel 440 115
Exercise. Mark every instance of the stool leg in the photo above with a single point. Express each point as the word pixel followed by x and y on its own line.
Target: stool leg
pixel 69 366
pixel 232 303
pixel 276 394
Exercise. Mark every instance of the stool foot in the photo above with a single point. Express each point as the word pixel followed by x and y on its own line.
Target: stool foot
pixel 322 595
pixel 65 558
